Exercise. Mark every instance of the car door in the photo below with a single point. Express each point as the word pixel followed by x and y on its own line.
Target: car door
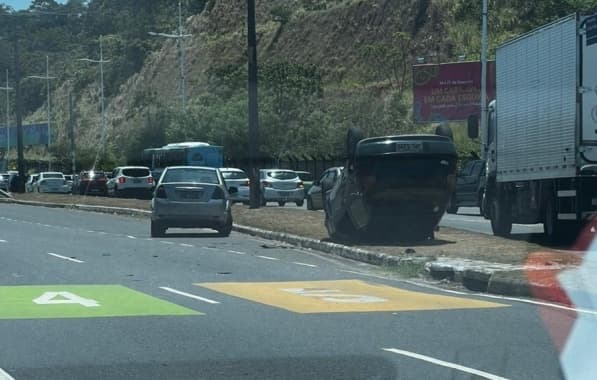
pixel 466 185
pixel 112 181
pixel 316 193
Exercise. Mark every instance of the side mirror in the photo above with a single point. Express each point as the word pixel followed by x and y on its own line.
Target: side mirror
pixel 233 190
pixel 473 126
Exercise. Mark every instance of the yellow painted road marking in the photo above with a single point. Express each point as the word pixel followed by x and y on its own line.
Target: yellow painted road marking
pixel 342 296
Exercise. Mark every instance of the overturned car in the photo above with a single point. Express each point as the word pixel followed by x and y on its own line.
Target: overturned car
pixel 392 188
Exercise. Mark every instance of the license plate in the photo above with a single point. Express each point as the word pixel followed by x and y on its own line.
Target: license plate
pixel 136 180
pixel 190 195
pixel 283 194
pixel 404 147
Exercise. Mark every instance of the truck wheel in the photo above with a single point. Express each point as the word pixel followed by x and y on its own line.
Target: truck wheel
pixel 452 206
pixel 300 203
pixel 501 219
pixel 157 230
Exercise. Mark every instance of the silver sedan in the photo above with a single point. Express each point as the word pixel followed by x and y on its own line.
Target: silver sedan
pixel 191 197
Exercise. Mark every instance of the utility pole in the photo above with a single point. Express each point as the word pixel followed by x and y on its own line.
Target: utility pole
pixel 484 80
pixel 71 132
pixel 253 109
pixel 179 37
pixel 7 89
pixel 20 185
pixel 101 62
pixel 47 78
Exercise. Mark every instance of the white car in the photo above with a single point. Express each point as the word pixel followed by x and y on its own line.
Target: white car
pixel 31 182
pixel 131 181
pixel 281 185
pixel 239 179
pixel 52 182
pixel 4 177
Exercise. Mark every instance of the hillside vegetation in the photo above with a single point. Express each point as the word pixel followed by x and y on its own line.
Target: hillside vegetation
pixel 325 66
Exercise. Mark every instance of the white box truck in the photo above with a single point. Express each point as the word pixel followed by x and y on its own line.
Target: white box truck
pixel 541 140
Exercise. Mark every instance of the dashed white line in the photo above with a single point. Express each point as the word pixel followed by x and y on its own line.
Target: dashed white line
pixel 3 241
pixel 305 264
pixel 237 252
pixel 166 242
pixel 66 258
pixel 267 258
pixel 189 295
pixel 130 237
pixel 186 245
pixel 442 363
pixel 91 232
pixel 5 376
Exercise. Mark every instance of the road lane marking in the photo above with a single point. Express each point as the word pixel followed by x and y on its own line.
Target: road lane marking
pixel 5 376
pixel 342 296
pixel 237 252
pixel 166 242
pixel 130 237
pixel 189 295
pixel 3 241
pixel 305 264
pixel 91 232
pixel 186 245
pixel 212 248
pixel 442 363
pixel 66 258
pixel 267 258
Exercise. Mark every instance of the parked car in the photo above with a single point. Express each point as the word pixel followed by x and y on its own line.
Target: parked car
pixel 69 180
pixel 131 181
pixel 90 182
pixel 237 178
pixel 315 195
pixel 307 179
pixel 4 177
pixel 281 185
pixel 51 182
pixel 191 197
pixel 470 185
pixel 31 183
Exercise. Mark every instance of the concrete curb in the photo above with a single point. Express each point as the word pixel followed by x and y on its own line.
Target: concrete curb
pixel 480 280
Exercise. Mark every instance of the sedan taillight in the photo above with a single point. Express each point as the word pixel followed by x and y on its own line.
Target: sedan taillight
pixel 121 180
pixel 300 185
pixel 160 193
pixel 149 179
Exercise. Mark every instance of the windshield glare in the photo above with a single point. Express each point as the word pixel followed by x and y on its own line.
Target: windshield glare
pixel 282 175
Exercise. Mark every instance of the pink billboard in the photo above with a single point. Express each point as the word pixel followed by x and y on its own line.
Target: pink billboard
pixel 450 91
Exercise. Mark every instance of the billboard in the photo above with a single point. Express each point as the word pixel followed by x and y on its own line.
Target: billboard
pixel 33 134
pixel 449 91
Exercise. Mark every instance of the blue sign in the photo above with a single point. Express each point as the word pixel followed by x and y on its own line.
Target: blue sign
pixel 33 134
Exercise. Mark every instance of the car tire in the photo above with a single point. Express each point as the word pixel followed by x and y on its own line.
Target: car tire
pixel 157 229
pixel 452 206
pixel 281 204
pixel 300 203
pixel 226 229
pixel 310 204
pixel 501 218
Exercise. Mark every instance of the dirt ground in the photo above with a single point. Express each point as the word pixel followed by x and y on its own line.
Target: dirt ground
pixel 450 243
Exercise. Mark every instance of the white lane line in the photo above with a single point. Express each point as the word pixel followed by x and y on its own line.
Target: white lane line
pixel 5 376
pixel 166 242
pixel 186 245
pixel 305 264
pixel 91 232
pixel 237 252
pixel 130 237
pixel 268 258
pixel 66 258
pixel 189 295
pixel 3 241
pixel 484 295
pixel 442 363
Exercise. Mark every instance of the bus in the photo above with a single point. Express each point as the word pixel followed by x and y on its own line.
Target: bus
pixel 183 154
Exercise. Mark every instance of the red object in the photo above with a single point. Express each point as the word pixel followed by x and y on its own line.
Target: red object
pixel 121 180
pixel 300 185
pixel 450 91
pixel 149 179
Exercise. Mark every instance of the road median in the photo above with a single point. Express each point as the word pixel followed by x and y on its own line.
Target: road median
pixel 479 262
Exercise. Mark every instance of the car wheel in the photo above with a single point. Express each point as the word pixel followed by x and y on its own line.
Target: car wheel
pixel 157 229
pixel 281 204
pixel 226 229
pixel 310 204
pixel 300 203
pixel 452 206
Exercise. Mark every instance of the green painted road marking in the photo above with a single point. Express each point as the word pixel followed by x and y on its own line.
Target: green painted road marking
pixel 82 301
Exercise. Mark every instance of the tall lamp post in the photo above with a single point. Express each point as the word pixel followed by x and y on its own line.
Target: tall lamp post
pixel 7 89
pixel 47 78
pixel 101 62
pixel 179 37
pixel 484 80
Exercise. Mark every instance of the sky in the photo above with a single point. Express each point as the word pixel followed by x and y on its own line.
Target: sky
pixel 22 4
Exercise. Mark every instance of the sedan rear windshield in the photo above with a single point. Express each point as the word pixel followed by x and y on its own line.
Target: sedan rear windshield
pixel 138 172
pixel 53 175
pixel 95 175
pixel 191 175
pixel 282 175
pixel 234 175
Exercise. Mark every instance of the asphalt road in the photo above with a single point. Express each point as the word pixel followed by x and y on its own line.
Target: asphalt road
pixel 468 219
pixel 91 296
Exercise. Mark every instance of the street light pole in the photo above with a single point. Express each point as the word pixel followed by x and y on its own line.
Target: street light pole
pixel 101 62
pixel 253 110
pixel 484 80
pixel 179 37
pixel 47 78
pixel 7 89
